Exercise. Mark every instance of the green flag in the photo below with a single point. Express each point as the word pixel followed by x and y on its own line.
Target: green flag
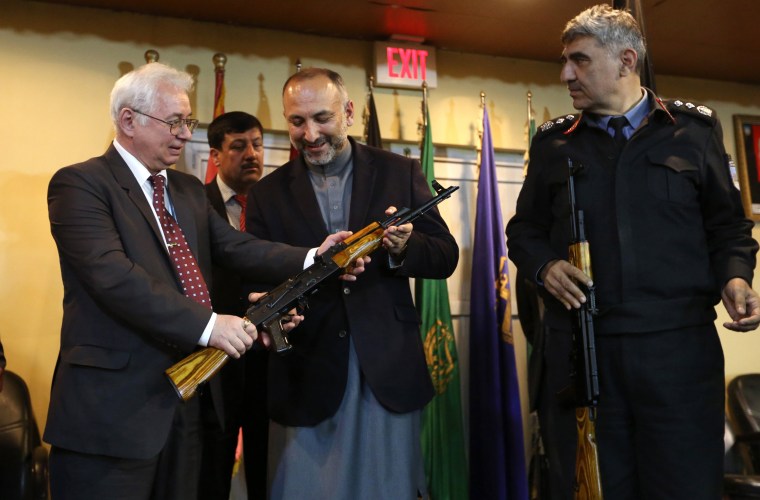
pixel 442 430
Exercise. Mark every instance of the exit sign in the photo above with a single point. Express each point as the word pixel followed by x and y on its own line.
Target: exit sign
pixel 404 65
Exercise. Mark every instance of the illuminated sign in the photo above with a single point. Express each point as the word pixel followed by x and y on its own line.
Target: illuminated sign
pixel 404 65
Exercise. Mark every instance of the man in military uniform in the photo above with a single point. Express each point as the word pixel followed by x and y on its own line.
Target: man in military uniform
pixel 668 240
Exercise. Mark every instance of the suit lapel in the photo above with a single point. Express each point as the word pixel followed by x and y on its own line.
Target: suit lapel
pixel 363 185
pixel 215 198
pixel 128 183
pixel 305 200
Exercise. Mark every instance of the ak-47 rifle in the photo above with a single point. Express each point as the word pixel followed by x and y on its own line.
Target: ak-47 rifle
pixel 585 376
pixel 273 308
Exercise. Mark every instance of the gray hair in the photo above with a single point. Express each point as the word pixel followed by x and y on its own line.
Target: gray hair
pixel 614 29
pixel 139 89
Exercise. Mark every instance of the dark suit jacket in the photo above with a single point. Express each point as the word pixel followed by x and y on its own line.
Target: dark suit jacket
pixel 307 385
pixel 125 319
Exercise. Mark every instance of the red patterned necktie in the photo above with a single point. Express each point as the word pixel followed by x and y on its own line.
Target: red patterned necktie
pixel 185 265
pixel 241 199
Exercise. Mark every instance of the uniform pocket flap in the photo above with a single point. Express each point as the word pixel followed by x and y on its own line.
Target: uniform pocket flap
pixel 96 356
pixel 673 162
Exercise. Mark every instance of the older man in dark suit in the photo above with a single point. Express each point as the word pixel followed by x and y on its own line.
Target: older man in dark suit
pixel 346 402
pixel 136 243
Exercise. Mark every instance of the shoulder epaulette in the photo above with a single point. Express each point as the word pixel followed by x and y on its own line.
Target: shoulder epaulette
pixel 691 109
pixel 561 123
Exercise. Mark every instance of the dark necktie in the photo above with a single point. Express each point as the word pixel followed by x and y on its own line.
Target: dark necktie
pixel 185 265
pixel 241 199
pixel 617 123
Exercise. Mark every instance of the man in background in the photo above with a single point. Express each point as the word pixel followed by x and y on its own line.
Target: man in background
pixel 237 149
pixel 668 240
pixel 346 401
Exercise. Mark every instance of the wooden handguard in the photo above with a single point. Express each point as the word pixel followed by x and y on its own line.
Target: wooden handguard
pixel 580 257
pixel 360 244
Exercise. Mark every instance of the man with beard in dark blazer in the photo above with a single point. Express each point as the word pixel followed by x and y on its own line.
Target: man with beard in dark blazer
pixel 346 401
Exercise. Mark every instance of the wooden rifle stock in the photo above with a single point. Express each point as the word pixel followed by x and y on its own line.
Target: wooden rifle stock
pixel 588 485
pixel 271 309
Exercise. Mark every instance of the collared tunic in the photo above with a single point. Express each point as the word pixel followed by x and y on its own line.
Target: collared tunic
pixel 354 453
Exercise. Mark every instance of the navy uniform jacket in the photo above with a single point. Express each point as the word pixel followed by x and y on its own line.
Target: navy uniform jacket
pixel 125 319
pixel 306 386
pixel 664 220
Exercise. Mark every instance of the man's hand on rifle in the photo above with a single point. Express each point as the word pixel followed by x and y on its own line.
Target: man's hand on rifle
pixel 357 267
pixel 560 278
pixel 233 335
pixel 742 304
pixel 395 237
pixel 293 320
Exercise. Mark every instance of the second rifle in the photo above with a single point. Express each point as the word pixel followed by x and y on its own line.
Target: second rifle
pixel 585 378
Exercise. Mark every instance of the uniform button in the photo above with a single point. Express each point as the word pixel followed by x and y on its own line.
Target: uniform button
pixel 346 291
pixel 342 333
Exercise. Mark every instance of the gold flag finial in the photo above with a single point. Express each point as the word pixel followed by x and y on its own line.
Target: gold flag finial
pixel 219 61
pixel 151 56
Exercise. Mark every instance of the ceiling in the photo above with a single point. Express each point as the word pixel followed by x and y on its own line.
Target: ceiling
pixel 711 39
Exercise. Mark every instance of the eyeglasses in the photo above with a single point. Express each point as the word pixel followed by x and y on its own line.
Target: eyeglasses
pixel 175 126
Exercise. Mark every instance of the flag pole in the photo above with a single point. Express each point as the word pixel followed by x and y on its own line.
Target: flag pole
pixel 530 128
pixel 479 146
pixel 220 60
pixel 530 105
pixel 422 124
pixel 366 114
pixel 424 103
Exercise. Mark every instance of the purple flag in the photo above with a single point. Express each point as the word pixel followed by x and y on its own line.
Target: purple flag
pixel 497 452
